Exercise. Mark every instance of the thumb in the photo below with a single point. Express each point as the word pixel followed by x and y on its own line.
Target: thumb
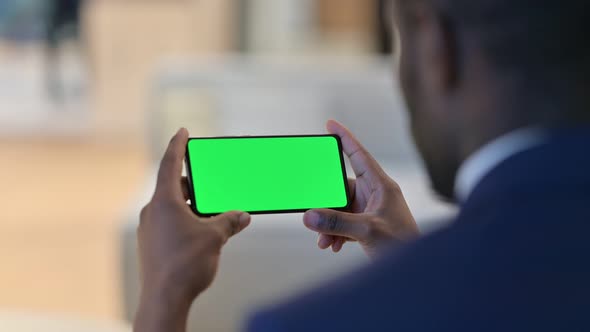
pixel 231 223
pixel 330 222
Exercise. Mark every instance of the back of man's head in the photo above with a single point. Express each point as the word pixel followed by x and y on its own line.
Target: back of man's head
pixel 472 70
pixel 525 35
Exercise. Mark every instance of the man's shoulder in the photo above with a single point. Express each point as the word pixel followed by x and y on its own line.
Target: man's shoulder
pixel 509 266
pixel 366 299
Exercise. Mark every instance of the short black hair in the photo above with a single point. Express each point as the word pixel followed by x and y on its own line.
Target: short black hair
pixel 546 35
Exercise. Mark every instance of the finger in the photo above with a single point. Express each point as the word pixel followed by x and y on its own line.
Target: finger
pixel 231 223
pixel 143 215
pixel 325 241
pixel 354 226
pixel 338 243
pixel 170 172
pixel 185 188
pixel 361 160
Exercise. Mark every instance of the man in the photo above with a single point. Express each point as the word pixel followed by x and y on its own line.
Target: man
pixel 499 108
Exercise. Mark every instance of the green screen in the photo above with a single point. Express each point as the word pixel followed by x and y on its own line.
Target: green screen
pixel 263 174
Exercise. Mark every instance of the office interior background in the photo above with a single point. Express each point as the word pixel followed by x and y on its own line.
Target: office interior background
pixel 89 101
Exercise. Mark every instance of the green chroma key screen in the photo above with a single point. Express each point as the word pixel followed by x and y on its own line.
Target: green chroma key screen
pixel 266 174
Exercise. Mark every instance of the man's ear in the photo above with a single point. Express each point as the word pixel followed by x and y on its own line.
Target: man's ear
pixel 436 45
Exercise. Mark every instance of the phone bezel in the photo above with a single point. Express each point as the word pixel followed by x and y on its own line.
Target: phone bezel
pixel 189 176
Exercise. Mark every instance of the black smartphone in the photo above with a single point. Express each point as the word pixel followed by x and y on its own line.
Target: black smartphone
pixel 266 174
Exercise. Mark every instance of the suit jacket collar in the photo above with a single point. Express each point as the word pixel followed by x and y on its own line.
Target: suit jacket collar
pixel 558 166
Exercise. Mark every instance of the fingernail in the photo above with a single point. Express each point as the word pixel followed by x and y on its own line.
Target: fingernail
pixel 311 219
pixel 244 219
pixel 323 242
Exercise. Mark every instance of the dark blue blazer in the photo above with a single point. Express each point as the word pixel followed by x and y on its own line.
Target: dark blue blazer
pixel 516 259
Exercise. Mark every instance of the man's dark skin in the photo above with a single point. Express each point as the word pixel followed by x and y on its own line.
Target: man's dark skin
pixel 462 90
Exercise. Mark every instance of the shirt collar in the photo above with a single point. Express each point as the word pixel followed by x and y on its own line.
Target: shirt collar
pixel 484 160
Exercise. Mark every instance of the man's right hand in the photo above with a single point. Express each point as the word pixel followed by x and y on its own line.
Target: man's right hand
pixel 378 216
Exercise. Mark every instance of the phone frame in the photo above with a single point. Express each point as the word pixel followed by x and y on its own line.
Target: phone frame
pixel 189 176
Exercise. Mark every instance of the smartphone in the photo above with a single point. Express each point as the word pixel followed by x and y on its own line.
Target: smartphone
pixel 266 174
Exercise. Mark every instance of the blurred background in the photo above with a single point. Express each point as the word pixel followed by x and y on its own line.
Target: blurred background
pixel 90 93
